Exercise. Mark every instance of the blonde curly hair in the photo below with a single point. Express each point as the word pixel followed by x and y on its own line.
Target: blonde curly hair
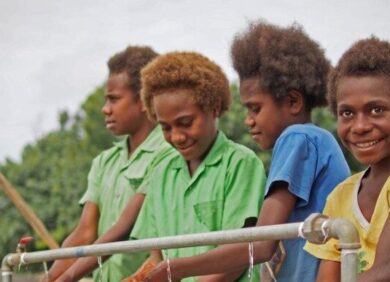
pixel 208 85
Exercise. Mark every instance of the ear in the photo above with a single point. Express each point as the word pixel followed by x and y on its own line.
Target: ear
pixel 216 113
pixel 142 106
pixel 295 101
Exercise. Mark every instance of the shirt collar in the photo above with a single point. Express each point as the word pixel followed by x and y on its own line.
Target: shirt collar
pixel 152 142
pixel 213 156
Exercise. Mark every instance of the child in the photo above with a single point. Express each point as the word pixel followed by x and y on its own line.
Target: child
pixel 213 183
pixel 359 94
pixel 282 78
pixel 116 179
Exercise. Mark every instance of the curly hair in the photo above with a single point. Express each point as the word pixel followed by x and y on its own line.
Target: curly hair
pixel 366 57
pixel 282 60
pixel 208 85
pixel 131 60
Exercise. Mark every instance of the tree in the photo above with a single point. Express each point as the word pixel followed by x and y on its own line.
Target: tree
pixel 52 174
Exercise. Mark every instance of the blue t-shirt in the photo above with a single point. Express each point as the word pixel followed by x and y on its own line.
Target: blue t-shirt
pixel 310 160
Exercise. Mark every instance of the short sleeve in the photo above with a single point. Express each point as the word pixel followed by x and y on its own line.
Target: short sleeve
pixel 145 226
pixel 244 191
pixel 94 183
pixel 294 161
pixel 329 250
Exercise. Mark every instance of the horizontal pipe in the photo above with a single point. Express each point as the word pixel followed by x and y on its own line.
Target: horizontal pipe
pixel 271 232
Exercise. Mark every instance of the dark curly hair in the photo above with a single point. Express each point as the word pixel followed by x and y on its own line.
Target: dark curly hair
pixel 208 85
pixel 366 57
pixel 282 59
pixel 131 60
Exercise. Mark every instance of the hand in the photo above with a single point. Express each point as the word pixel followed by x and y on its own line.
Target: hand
pixel 160 274
pixel 141 273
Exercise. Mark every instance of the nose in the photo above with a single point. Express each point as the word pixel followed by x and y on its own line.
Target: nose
pixel 106 109
pixel 249 121
pixel 177 137
pixel 361 124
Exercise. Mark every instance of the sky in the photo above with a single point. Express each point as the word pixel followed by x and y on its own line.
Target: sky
pixel 54 53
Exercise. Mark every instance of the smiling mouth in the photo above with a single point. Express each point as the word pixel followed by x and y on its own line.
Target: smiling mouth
pixel 183 149
pixel 368 144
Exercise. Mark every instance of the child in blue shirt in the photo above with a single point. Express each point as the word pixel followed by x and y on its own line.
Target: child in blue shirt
pixel 283 77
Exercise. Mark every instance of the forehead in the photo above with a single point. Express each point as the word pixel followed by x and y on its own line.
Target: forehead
pixel 173 104
pixel 117 80
pixel 365 87
pixel 251 91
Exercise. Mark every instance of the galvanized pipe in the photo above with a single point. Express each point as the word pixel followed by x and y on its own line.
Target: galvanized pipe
pixel 274 232
pixel 349 243
pixel 312 229
pixel 6 270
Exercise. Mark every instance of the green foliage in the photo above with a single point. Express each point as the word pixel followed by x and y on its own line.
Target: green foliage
pixel 52 173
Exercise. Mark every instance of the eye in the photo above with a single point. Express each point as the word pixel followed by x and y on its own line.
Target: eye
pixel 253 109
pixel 376 110
pixel 111 98
pixel 165 127
pixel 345 113
pixel 186 122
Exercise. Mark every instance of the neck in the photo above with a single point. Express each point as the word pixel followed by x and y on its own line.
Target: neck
pixel 304 117
pixel 194 164
pixel 138 137
pixel 381 170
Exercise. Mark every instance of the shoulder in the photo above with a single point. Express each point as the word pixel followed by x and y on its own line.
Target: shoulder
pixel 238 151
pixel 165 160
pixel 164 156
pixel 309 130
pixel 318 139
pixel 108 154
pixel 346 187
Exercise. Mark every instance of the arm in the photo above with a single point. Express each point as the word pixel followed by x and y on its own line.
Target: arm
pixel 85 233
pixel 119 231
pixel 234 257
pixel 380 270
pixel 329 271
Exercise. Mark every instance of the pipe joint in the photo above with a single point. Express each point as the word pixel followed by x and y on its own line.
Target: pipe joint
pixel 315 228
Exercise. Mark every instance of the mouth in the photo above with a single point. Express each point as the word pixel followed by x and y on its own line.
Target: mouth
pixel 184 149
pixel 109 123
pixel 255 134
pixel 366 144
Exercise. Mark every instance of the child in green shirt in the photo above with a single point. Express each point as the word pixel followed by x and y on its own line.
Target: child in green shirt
pixel 116 187
pixel 212 183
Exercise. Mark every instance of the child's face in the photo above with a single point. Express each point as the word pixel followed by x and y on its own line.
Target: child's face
pixel 185 125
pixel 123 112
pixel 363 118
pixel 265 118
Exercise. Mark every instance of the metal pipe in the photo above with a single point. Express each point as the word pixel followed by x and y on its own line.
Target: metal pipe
pixel 271 232
pixel 316 229
pixel 6 270
pixel 349 243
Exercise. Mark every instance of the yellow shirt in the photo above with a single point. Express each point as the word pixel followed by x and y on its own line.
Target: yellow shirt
pixel 343 203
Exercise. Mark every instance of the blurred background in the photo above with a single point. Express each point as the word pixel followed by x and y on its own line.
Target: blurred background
pixel 53 68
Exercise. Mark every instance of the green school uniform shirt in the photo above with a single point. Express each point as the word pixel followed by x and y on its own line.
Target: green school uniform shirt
pixel 113 180
pixel 226 188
